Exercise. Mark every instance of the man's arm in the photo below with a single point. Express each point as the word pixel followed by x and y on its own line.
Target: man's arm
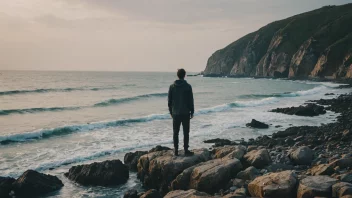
pixel 191 102
pixel 169 100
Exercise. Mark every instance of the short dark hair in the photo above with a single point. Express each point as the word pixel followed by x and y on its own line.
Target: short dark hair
pixel 181 73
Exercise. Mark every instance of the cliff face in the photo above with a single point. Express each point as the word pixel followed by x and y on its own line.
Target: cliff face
pixel 312 44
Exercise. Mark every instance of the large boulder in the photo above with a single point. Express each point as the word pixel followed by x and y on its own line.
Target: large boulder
pixel 231 151
pixel 210 176
pixel 187 194
pixel 157 169
pixel 342 163
pixel 257 158
pixel 302 156
pixel 308 110
pixel 249 174
pixel 6 186
pixel 341 189
pixel 281 184
pixel 316 186
pixel 131 159
pixel 31 184
pixel 257 124
pixel 110 172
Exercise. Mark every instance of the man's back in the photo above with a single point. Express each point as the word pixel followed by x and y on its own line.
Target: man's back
pixel 180 98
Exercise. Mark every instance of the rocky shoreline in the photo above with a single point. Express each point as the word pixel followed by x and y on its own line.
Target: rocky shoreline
pixel 302 162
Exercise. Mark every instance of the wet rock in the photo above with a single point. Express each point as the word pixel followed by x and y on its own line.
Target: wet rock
pixel 249 173
pixel 281 184
pixel 308 110
pixel 257 158
pixel 6 186
pixel 158 169
pixel 322 169
pixel 210 176
pixel 302 156
pixel 316 186
pixel 151 194
pixel 131 194
pixel 31 184
pixel 131 159
pixel 251 148
pixel 231 151
pixel 218 140
pixel 257 124
pixel 239 193
pixel 110 172
pixel 341 189
pixel 186 194
pixel 159 148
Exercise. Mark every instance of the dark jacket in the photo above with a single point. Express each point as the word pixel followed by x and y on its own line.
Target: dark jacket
pixel 180 99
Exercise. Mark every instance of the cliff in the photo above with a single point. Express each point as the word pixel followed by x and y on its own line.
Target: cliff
pixel 313 44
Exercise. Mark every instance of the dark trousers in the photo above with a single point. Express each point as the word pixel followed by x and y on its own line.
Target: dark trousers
pixel 185 120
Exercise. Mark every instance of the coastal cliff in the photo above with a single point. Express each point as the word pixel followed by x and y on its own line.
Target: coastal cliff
pixel 315 44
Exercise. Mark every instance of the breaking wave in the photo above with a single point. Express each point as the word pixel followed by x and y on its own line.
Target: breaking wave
pixel 35 110
pixel 128 99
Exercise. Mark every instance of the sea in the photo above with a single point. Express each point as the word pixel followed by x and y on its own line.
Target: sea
pixel 51 121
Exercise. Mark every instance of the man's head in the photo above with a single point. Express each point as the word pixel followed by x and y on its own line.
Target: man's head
pixel 181 73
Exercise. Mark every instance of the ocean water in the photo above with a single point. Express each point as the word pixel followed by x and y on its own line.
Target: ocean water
pixel 50 121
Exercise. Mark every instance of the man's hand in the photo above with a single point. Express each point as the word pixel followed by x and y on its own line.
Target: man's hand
pixel 191 116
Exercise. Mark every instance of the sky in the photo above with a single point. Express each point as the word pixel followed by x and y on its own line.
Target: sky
pixel 131 35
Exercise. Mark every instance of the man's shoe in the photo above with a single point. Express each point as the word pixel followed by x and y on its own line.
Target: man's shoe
pixel 188 153
pixel 176 152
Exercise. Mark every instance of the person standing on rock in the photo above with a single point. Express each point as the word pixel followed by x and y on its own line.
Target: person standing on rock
pixel 181 108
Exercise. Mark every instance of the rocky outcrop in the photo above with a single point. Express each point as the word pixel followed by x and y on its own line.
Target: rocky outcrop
pixel 152 193
pixel 6 186
pixel 341 189
pixel 316 186
pixel 281 184
pixel 187 194
pixel 308 110
pixel 32 183
pixel 208 176
pixel 131 159
pixel 256 124
pixel 257 158
pixel 312 44
pixel 110 172
pixel 157 170
pixel 230 151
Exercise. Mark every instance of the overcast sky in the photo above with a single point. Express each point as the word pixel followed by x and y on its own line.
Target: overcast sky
pixel 131 35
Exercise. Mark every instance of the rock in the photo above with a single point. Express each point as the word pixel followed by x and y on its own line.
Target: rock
pixel 315 186
pixel 151 194
pixel 346 133
pixel 131 159
pixel 210 176
pixel 257 158
pixel 278 167
pixel 239 193
pixel 31 183
pixel 308 110
pixel 249 174
pixel 251 148
pixel 346 177
pixel 342 163
pixel 186 194
pixel 131 194
pixel 257 124
pixel 159 148
pixel 6 186
pixel 219 141
pixel 110 172
pixel 281 184
pixel 302 156
pixel 322 169
pixel 230 151
pixel 341 189
pixel 157 170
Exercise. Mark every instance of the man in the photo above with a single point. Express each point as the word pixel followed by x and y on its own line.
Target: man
pixel 181 107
